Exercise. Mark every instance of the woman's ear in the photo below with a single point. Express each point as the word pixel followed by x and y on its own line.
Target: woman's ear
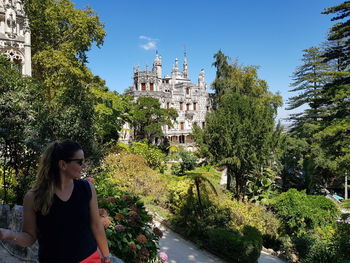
pixel 62 164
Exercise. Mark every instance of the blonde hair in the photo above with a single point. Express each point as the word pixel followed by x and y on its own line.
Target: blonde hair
pixel 48 173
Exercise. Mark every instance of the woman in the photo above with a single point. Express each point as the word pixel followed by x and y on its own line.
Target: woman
pixel 61 210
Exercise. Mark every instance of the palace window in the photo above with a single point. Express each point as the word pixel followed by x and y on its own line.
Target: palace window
pixel 151 87
pixel 181 105
pixel 194 106
pixel 187 91
pixel 187 106
pixel 182 126
pixel 182 139
pixel 143 86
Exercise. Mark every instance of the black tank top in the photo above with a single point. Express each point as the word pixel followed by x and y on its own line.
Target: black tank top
pixel 65 234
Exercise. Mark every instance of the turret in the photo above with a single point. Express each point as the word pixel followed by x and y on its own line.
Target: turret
pixel 175 72
pixel 201 79
pixel 185 68
pixel 157 66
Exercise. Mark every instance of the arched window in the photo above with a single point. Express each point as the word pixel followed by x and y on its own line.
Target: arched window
pixel 15 57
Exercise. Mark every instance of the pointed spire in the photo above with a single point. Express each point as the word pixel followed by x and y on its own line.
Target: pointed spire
pixel 185 66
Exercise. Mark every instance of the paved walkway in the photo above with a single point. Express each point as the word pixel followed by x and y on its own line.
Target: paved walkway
pixel 180 250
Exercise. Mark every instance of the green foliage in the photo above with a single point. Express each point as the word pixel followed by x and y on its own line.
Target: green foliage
pixel 300 213
pixel 130 172
pixel 346 204
pixel 305 165
pixel 109 108
pixel 313 247
pixel 245 213
pixel 21 130
pixel 153 156
pixel 187 163
pixel 238 247
pixel 217 211
pixel 309 80
pixel 61 37
pixel 147 119
pixel 342 241
pixel 61 31
pixel 334 133
pixel 240 132
pixel 129 230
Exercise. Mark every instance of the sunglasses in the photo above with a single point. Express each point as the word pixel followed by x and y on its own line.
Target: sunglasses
pixel 79 161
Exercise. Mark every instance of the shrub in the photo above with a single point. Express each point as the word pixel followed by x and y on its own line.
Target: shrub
pixel 154 157
pixel 187 163
pixel 128 225
pixel 177 194
pixel 217 212
pixel 129 172
pixel 342 241
pixel 300 213
pixel 238 246
pixel 250 214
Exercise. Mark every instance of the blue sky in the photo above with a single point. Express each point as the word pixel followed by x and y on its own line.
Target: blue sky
pixel 269 33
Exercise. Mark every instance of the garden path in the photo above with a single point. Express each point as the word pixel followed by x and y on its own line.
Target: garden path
pixel 180 250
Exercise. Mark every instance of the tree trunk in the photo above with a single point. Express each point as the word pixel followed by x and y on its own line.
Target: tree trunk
pixel 197 182
pixel 229 177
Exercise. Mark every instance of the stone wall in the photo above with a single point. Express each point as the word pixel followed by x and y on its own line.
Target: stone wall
pixel 12 219
pixel 12 253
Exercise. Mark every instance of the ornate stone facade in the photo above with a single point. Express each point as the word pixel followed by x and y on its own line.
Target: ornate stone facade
pixel 15 40
pixel 191 100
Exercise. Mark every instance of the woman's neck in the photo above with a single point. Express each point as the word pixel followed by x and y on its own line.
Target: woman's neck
pixel 64 182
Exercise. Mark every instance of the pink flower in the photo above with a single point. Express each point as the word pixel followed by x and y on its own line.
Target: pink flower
pixel 119 228
pixel 163 257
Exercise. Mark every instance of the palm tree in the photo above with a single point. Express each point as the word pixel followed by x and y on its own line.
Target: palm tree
pixel 197 180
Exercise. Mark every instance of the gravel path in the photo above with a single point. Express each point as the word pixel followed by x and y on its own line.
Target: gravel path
pixel 180 250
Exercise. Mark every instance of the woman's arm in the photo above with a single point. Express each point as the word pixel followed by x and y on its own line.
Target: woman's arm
pixel 96 225
pixel 27 237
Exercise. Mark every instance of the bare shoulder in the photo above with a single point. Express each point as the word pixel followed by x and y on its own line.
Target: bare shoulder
pixel 29 197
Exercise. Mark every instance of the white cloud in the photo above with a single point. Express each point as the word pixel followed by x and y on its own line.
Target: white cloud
pixel 149 46
pixel 151 43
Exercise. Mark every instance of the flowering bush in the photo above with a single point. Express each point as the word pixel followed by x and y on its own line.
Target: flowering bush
pixel 162 258
pixel 130 233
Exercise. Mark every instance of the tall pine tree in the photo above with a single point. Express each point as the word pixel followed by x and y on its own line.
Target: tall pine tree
pixel 335 133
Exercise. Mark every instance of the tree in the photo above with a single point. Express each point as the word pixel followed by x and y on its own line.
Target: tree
pixel 239 132
pixel 110 112
pixel 21 121
pixel 61 37
pixel 147 119
pixel 306 166
pixel 309 80
pixel 335 127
